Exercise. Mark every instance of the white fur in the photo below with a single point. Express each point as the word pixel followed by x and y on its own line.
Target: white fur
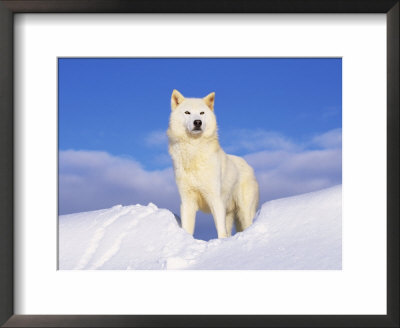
pixel 208 179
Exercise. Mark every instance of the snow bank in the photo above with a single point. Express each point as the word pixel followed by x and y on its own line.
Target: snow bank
pixel 300 232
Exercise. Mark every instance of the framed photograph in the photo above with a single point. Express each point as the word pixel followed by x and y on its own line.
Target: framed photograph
pixel 218 164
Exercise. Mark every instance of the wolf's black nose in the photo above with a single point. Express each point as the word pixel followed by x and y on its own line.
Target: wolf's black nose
pixel 197 123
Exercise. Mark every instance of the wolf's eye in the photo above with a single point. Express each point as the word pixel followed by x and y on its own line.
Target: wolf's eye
pixel 188 113
pixel 201 113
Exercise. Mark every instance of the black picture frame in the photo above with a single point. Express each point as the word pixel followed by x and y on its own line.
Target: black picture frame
pixel 10 7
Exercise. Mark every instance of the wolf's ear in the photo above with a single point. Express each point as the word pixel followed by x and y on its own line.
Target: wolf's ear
pixel 209 100
pixel 176 99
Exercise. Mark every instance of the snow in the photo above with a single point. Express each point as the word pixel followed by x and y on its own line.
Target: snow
pixel 303 232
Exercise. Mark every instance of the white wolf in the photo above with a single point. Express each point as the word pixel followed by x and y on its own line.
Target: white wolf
pixel 208 179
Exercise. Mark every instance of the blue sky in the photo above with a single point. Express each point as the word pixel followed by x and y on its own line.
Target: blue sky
pixel 283 115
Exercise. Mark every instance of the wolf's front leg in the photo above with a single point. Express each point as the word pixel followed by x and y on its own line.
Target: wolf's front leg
pixel 188 215
pixel 219 212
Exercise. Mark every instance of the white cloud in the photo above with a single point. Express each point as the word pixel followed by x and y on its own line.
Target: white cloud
pixel 91 180
pixel 329 112
pixel 330 139
pixel 295 170
pixel 157 138
pixel 285 173
pixel 254 140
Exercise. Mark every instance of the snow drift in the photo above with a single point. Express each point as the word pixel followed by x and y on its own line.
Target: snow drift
pixel 300 232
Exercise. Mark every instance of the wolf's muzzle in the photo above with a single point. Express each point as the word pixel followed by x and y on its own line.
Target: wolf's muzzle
pixel 197 124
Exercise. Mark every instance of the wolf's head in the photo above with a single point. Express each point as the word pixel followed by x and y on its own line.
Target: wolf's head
pixel 192 117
